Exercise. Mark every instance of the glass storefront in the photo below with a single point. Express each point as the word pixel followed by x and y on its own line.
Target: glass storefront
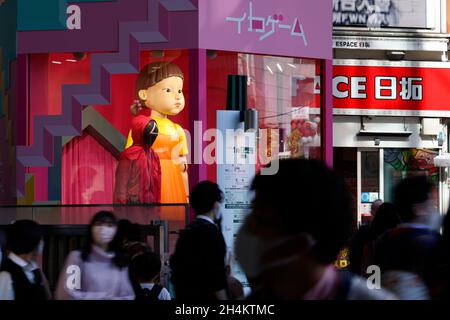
pixel 373 173
pixel 401 163
pixel 285 92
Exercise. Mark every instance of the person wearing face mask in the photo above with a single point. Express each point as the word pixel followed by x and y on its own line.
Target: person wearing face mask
pixel 413 246
pixel 293 234
pixel 198 263
pixel 21 278
pixel 98 271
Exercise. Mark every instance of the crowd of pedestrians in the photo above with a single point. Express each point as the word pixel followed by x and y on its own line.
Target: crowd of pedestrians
pixel 286 247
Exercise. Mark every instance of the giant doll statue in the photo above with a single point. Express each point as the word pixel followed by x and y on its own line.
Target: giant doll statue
pixel 159 87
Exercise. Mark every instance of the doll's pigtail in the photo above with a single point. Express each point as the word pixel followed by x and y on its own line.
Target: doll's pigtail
pixel 135 107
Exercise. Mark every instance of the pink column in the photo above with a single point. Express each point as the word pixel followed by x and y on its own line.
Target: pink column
pixel 38 105
pixel 197 112
pixel 326 102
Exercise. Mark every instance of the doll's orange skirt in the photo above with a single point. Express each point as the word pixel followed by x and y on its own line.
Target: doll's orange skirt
pixel 172 185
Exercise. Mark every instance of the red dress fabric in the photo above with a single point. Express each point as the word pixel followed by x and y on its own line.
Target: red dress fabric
pixel 138 175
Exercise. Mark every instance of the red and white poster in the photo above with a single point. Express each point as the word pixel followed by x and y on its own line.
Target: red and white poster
pixel 391 88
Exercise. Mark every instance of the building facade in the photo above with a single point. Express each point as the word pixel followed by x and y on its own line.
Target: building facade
pixel 391 101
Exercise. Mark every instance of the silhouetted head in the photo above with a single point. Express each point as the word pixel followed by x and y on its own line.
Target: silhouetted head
pixel 24 237
pixel 303 197
pixel 413 198
pixel 206 198
pixel 386 218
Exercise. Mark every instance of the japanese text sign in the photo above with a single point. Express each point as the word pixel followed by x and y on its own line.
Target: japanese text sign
pixel 299 28
pixel 381 13
pixel 415 89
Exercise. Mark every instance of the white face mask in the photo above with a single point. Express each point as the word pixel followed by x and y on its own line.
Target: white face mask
pixel 103 235
pixel 218 212
pixel 249 250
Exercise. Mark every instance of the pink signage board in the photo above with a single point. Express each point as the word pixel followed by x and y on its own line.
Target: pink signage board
pixel 296 28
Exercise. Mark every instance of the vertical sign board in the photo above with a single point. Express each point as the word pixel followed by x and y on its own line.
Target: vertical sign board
pixel 236 165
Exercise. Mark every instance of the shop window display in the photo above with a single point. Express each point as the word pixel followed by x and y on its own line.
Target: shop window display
pixel 285 91
pixel 89 161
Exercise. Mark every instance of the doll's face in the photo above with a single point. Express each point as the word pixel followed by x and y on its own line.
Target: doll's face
pixel 165 96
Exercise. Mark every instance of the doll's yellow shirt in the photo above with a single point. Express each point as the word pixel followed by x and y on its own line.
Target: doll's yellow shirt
pixel 170 128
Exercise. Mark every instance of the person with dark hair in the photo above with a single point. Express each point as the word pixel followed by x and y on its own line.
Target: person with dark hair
pixel 127 232
pixel 385 219
pixel 359 240
pixel 294 233
pixel 375 206
pixel 20 276
pixel 98 271
pixel 145 268
pixel 413 246
pixel 198 263
pixel 128 237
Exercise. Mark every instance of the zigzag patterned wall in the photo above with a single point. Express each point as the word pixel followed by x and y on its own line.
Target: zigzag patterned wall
pixel 132 36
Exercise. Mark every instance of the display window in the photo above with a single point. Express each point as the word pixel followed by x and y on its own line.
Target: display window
pixel 89 161
pixel 284 90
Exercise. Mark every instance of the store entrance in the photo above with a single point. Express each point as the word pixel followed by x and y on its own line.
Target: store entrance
pixel 373 173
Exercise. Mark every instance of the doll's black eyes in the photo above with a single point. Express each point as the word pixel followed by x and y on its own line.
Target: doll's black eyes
pixel 169 90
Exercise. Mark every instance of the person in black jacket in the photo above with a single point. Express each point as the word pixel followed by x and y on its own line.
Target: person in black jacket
pixel 20 276
pixel 145 267
pixel 413 246
pixel 198 263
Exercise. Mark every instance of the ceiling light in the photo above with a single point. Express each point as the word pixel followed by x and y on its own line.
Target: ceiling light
pixel 395 55
pixel 292 65
pixel 57 62
pixel 71 60
pixel 279 67
pixel 268 68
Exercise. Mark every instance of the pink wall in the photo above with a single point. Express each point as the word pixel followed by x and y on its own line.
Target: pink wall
pixel 46 80
pixel 314 16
